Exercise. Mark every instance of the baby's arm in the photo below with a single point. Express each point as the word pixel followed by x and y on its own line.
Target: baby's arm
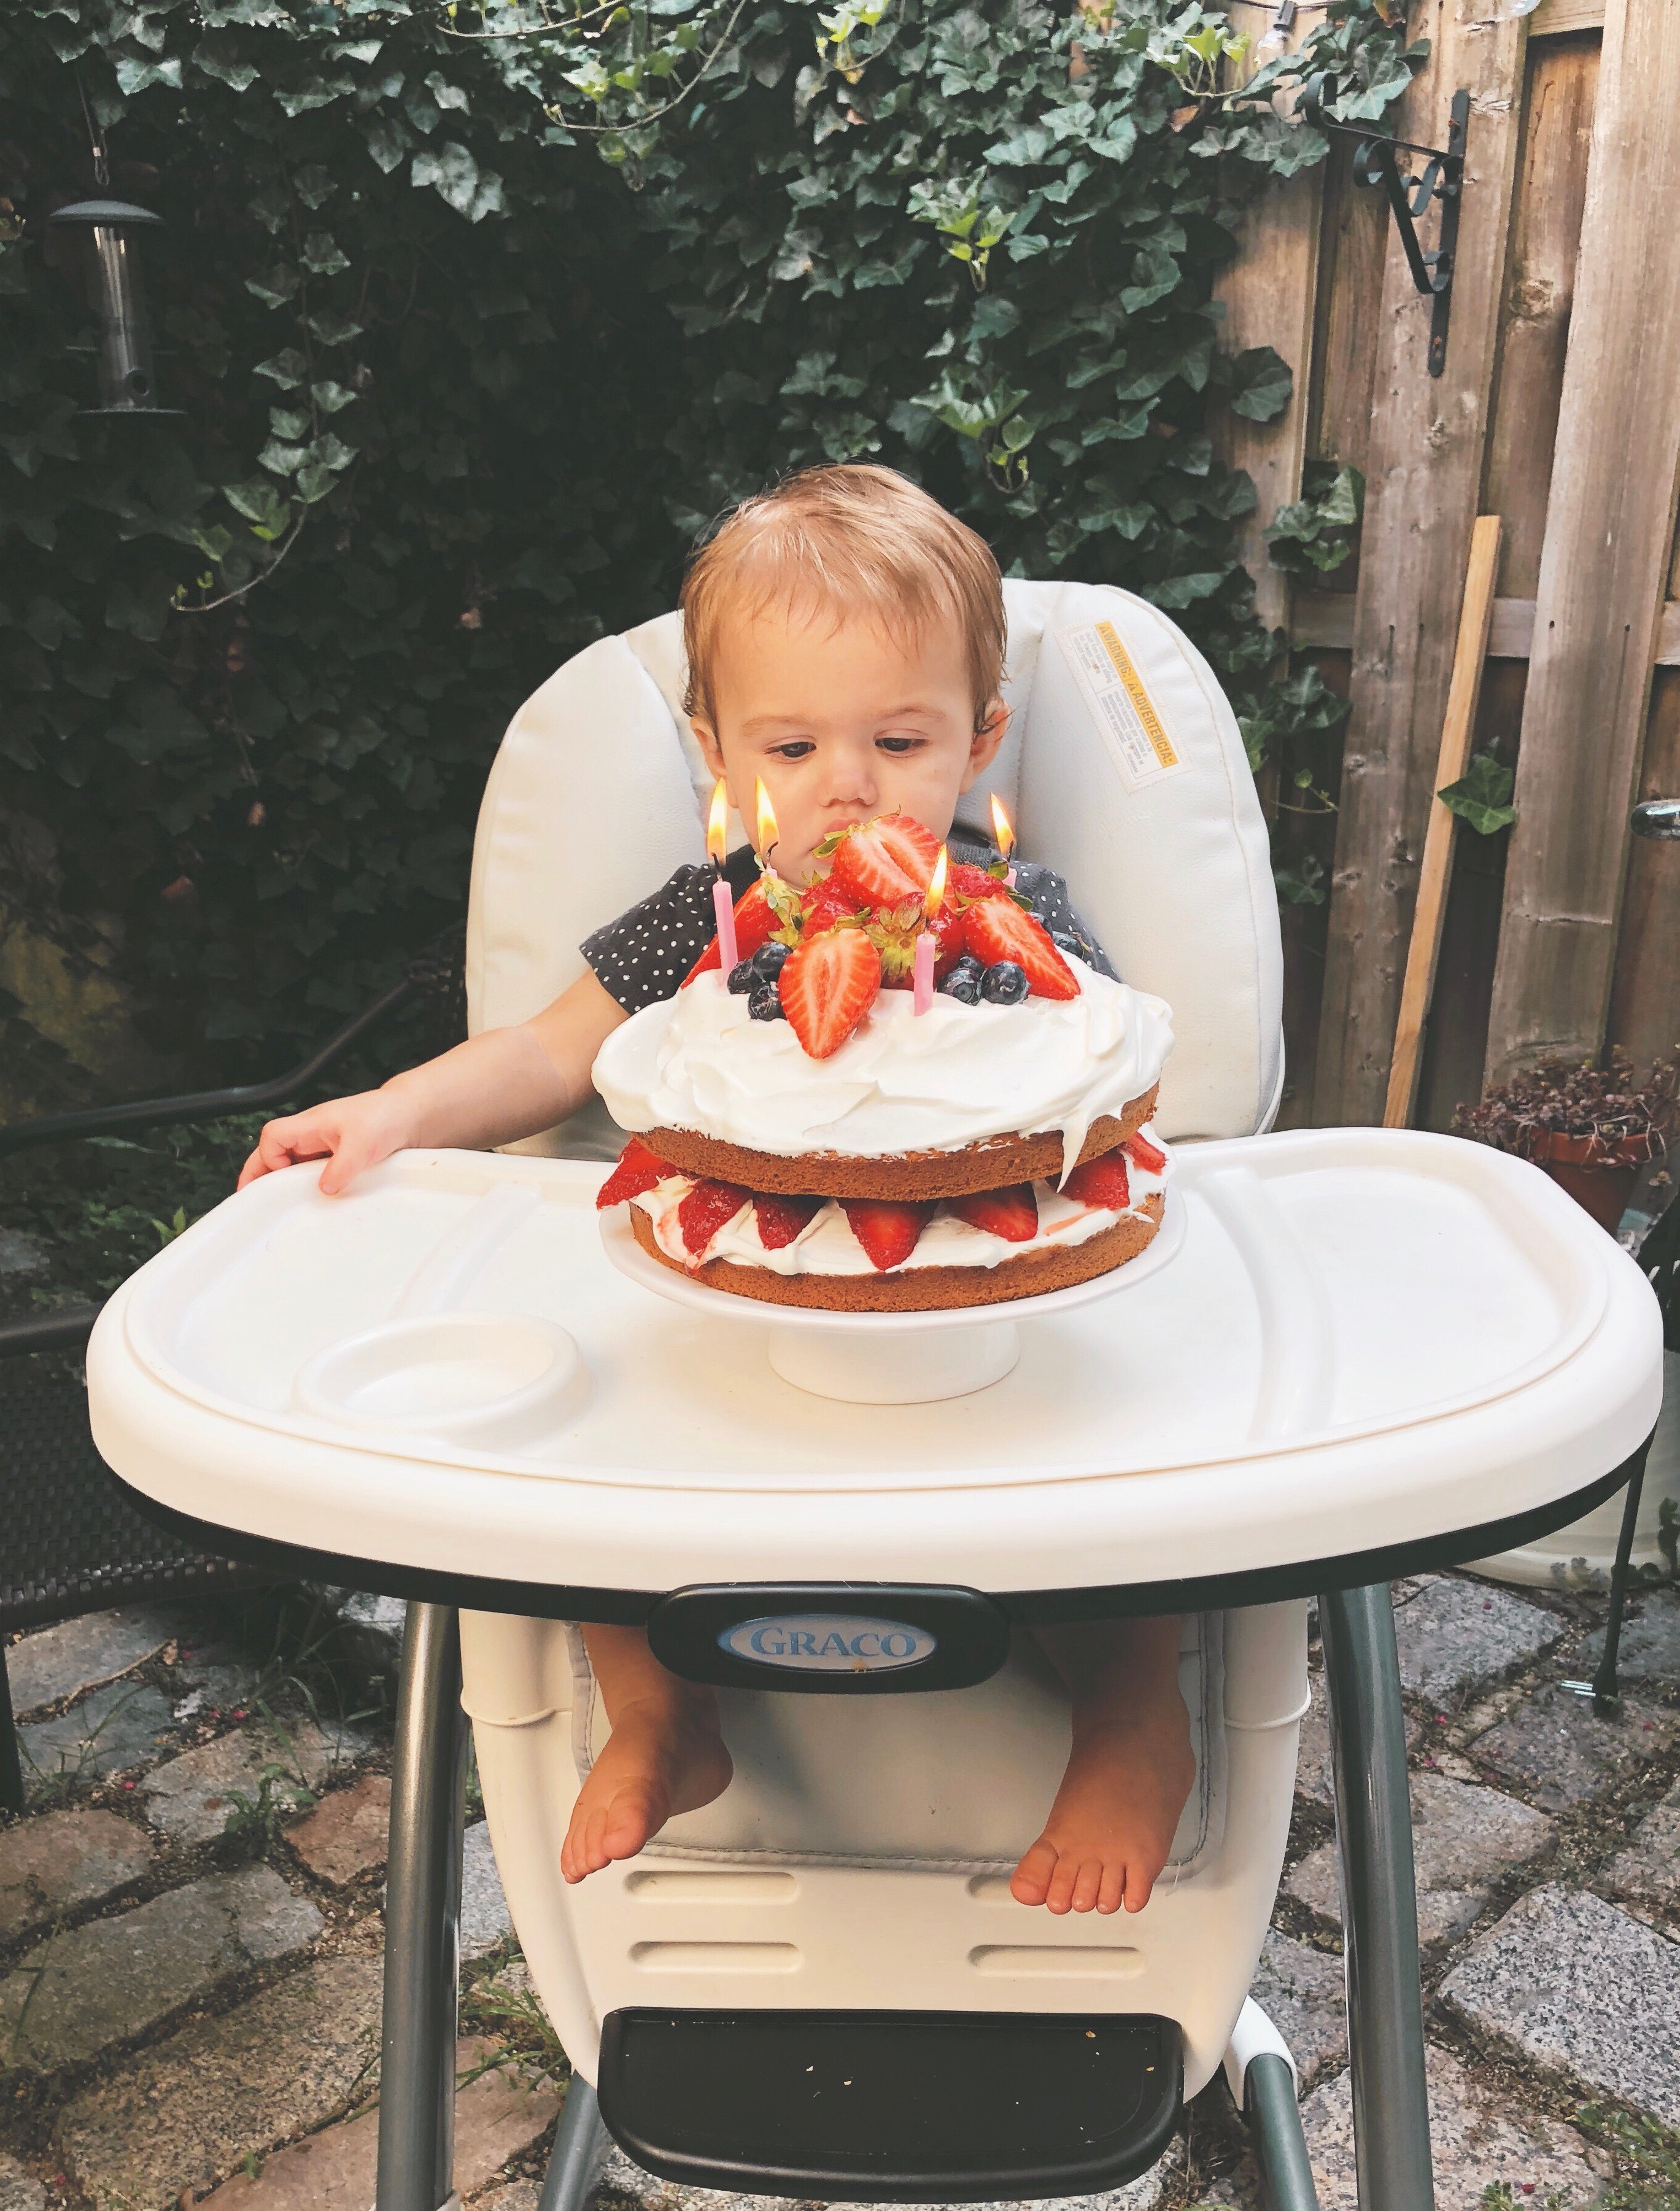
pixel 502 1085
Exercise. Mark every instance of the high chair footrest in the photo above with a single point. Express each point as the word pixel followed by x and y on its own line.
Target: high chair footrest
pixel 892 2106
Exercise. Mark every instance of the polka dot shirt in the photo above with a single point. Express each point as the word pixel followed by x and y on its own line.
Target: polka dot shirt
pixel 643 956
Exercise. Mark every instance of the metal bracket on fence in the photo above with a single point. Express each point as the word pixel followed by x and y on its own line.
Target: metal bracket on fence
pixel 1442 177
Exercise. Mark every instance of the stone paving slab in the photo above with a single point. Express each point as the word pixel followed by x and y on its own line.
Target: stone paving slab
pixel 1457 1637
pixel 507 2196
pixel 75 1993
pixel 1650 1647
pixel 1464 1840
pixel 497 2114
pixel 74 1655
pixel 1580 1988
pixel 192 1796
pixel 185 2114
pixel 1648 1870
pixel 62 1859
pixel 121 1726
pixel 1555 1749
pixel 1478 2138
pixel 622 2182
pixel 19 2190
pixel 485 1920
pixel 1302 1991
pixel 346 1835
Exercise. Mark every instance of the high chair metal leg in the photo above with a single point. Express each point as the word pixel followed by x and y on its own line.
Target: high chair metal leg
pixel 579 2140
pixel 1390 2107
pixel 423 1919
pixel 1280 2147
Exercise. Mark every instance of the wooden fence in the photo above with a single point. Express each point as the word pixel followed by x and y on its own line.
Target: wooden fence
pixel 1559 411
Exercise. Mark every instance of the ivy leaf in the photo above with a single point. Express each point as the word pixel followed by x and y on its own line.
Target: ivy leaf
pixel 286 424
pixel 452 170
pixel 261 505
pixel 1481 796
pixel 283 459
pixel 219 58
pixel 135 75
pixel 1301 882
pixel 334 330
pixel 1262 385
pixel 287 369
pixel 386 141
pixel 1157 273
pixel 275 288
pixel 329 396
pixel 323 256
pixel 1178 591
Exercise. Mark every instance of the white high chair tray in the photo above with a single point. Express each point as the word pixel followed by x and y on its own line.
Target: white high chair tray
pixel 1368 1339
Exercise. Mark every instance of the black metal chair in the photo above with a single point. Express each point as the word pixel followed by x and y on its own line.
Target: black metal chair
pixel 74 1541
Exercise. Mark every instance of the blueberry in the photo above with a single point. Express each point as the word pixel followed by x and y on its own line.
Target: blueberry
pixel 964 982
pixel 769 959
pixel 1004 983
pixel 742 977
pixel 1065 942
pixel 765 1003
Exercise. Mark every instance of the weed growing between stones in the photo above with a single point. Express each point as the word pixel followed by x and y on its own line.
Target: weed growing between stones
pixel 1647 2159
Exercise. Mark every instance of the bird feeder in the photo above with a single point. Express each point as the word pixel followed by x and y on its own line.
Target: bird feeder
pixel 116 296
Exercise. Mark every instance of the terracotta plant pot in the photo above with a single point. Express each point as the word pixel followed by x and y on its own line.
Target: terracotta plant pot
pixel 1599 1176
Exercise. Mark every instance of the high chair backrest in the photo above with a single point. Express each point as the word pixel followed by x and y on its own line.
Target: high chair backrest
pixel 1123 768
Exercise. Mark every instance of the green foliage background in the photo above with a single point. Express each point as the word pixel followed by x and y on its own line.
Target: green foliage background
pixel 473 318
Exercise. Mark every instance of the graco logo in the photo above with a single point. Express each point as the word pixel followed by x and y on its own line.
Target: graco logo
pixel 828 1642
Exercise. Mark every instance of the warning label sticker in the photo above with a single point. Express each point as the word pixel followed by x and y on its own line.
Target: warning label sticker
pixel 1142 750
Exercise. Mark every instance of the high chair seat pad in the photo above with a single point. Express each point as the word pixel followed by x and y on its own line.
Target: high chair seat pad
pixel 960 1780
pixel 1372 1342
pixel 1123 768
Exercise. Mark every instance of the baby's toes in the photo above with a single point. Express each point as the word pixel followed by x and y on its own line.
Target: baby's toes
pixel 1111 1893
pixel 1087 1885
pixel 1060 1897
pixel 1030 1883
pixel 1140 1881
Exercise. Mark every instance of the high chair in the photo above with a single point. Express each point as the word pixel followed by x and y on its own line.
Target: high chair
pixel 819 1986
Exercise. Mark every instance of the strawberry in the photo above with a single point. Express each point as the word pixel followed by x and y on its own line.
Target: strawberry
pixel 708 1207
pixel 780 1219
pixel 828 986
pixel 637 1171
pixel 968 882
pixel 949 945
pixel 886 861
pixel 1101 1183
pixel 1012 1214
pixel 887 1232
pixel 1145 1156
pixel 825 903
pixel 756 923
pixel 997 928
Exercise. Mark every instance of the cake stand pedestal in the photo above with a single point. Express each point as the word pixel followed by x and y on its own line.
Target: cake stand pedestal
pixel 890 1358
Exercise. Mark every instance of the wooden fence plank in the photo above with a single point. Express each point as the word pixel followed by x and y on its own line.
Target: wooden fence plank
pixel 1269 293
pixel 1424 480
pixel 1645 1004
pixel 1322 621
pixel 1609 530
pixel 1556 19
pixel 1539 291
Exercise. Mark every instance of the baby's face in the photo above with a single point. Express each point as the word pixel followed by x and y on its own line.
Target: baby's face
pixel 843 721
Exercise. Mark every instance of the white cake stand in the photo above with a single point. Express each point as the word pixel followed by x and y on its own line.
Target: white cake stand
pixel 890 1358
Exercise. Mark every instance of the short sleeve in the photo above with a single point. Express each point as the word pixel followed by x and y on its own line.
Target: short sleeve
pixel 643 956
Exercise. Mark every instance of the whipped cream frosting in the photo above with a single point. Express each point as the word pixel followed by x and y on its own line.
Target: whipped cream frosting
pixel 901 1083
pixel 826 1246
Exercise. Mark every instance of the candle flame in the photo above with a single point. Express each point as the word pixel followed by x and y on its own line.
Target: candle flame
pixel 936 889
pixel 717 825
pixel 1002 828
pixel 766 820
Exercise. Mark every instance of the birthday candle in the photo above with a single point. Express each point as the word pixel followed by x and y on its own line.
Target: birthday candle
pixel 723 902
pixel 921 972
pixel 1003 830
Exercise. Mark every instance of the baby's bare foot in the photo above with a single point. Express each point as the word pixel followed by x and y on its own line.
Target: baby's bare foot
pixel 660 1759
pixel 1111 1825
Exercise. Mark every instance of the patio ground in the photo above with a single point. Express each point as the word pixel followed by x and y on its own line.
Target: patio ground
pixel 191 1976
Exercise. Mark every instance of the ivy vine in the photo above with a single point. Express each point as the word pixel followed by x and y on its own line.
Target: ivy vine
pixel 475 314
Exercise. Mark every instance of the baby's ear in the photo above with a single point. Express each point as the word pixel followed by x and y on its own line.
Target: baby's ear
pixel 988 735
pixel 706 738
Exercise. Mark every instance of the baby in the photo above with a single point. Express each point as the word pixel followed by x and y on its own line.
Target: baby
pixel 845 640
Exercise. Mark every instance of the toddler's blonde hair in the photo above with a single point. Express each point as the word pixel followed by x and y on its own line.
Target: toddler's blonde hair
pixel 850 539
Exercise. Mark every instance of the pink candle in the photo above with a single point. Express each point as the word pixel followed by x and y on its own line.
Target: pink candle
pixel 723 905
pixel 921 974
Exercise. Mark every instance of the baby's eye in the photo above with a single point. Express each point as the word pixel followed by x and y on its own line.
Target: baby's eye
pixel 795 749
pixel 901 744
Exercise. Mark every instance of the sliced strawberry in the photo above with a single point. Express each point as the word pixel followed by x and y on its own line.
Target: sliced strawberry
pixel 780 1219
pixel 971 882
pixel 997 928
pixel 637 1171
pixel 1012 1214
pixel 887 1232
pixel 880 862
pixel 828 986
pixel 825 903
pixel 949 941
pixel 1147 1156
pixel 708 1207
pixel 1102 1183
pixel 755 921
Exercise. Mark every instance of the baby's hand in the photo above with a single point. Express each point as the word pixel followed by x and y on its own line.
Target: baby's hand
pixel 351 1134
